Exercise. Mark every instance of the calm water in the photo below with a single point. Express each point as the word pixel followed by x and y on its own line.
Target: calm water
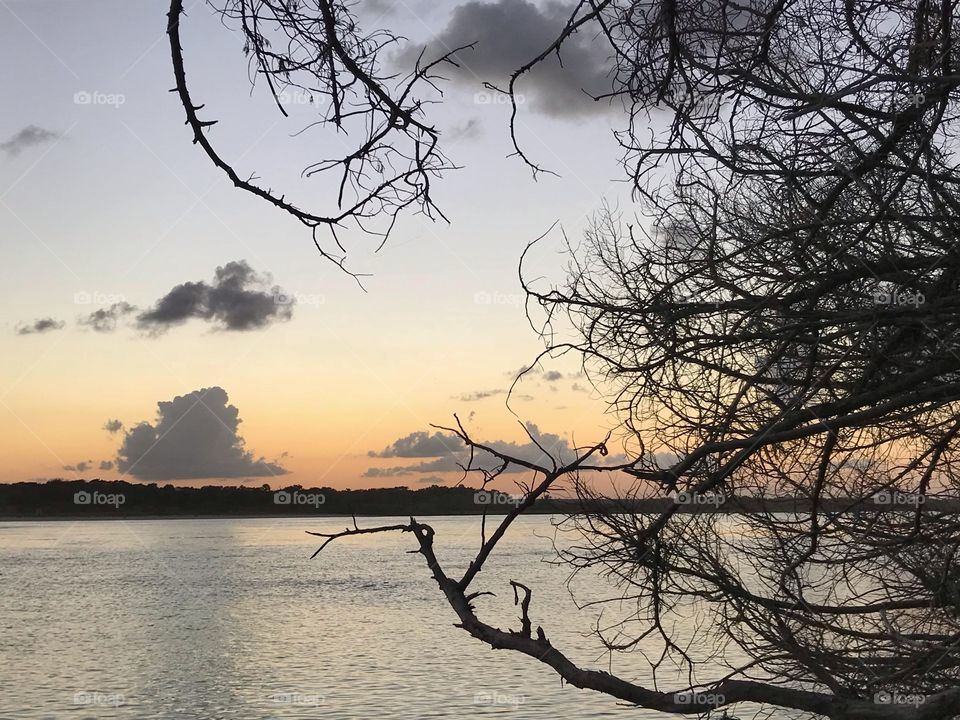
pixel 231 619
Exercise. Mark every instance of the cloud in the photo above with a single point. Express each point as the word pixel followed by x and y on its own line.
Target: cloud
pixel 113 426
pixel 40 325
pixel 450 463
pixel 421 445
pixel 239 299
pixel 84 465
pixel 194 436
pixel 447 453
pixel 478 395
pixel 28 137
pixel 523 370
pixel 510 33
pixel 430 480
pixel 105 320
pixel 553 376
pixel 465 131
pixel 380 7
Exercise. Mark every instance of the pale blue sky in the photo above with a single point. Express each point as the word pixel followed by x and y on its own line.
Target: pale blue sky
pixel 124 205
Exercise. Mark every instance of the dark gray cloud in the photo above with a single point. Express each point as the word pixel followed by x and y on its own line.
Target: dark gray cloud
pixel 28 137
pixel 40 325
pixel 510 33
pixel 238 299
pixel 105 319
pixel 553 375
pixel 447 453
pixel 113 426
pixel 421 445
pixel 85 465
pixel 430 480
pixel 194 436
pixel 445 464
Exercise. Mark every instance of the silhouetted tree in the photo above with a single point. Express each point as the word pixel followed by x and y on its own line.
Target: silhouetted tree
pixel 782 319
pixel 316 48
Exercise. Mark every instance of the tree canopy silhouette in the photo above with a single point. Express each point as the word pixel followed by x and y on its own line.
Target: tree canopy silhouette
pixel 780 318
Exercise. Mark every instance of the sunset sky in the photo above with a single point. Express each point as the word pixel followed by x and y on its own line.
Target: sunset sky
pixel 105 205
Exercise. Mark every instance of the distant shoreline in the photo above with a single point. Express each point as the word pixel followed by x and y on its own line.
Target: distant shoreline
pixel 249 516
pixel 63 500
pixel 71 518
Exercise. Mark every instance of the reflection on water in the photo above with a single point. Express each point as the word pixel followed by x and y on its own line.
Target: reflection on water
pixel 231 619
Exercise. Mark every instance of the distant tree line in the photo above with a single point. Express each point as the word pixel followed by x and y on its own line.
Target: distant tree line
pixel 118 498
pixel 56 498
